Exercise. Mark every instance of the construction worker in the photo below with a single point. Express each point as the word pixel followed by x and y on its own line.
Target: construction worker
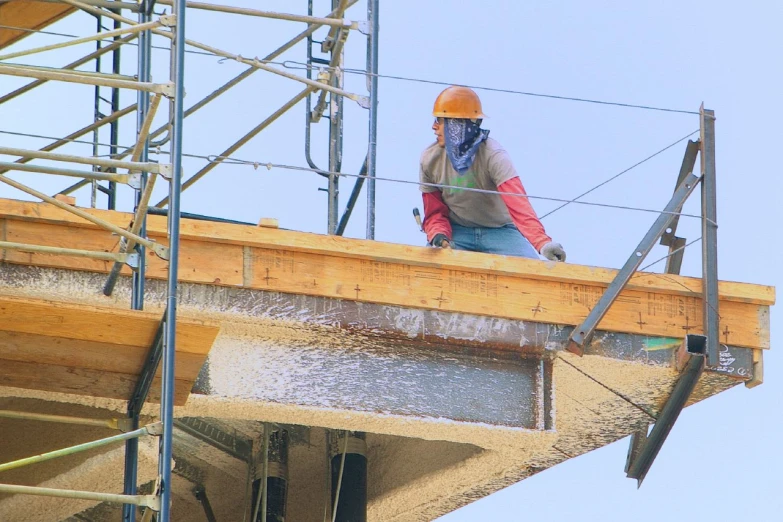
pixel 465 157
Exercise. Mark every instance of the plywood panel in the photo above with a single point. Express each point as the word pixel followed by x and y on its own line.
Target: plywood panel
pixel 104 325
pixel 28 14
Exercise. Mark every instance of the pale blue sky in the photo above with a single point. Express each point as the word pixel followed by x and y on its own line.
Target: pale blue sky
pixel 722 459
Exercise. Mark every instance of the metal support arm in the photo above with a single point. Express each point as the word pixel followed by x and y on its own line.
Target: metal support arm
pixel 582 335
pixel 644 449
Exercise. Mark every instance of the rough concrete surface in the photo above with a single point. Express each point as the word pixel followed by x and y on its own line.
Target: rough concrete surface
pixel 423 459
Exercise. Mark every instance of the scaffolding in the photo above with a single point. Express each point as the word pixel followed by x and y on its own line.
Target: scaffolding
pixel 132 167
pixel 324 95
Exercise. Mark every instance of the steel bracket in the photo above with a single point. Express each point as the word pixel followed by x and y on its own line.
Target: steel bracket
pixel 169 20
pixel 363 101
pixel 363 26
pixel 582 335
pixel 132 260
pixel 155 429
pixel 134 180
pixel 690 359
pixel 151 501
pixel 161 251
pixel 165 170
pixel 168 89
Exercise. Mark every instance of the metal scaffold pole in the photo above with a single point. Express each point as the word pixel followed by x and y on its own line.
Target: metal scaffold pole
pixel 372 72
pixel 167 396
pixel 137 292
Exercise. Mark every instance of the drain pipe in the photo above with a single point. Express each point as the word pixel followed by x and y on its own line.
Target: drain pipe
pixel 272 499
pixel 348 451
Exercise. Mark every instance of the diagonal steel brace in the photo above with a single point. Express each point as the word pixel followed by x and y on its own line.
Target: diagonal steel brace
pixel 583 334
pixel 643 450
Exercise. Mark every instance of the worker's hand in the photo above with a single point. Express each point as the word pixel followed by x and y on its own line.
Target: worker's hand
pixel 553 251
pixel 441 241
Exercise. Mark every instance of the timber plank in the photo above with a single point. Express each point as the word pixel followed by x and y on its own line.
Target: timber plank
pixel 105 325
pixel 28 14
pixel 392 253
pixel 82 381
pixel 61 236
pixel 497 295
pixel 199 261
pixel 336 267
pixel 71 353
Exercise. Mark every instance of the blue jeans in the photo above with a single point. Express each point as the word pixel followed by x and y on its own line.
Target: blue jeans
pixel 506 240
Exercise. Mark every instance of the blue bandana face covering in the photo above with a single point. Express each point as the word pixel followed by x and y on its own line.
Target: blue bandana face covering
pixel 463 138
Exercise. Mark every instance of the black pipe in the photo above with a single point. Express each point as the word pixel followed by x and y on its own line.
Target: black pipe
pixel 276 480
pixel 352 501
pixel 357 189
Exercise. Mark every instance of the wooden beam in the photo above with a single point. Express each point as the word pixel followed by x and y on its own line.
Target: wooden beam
pixel 108 326
pixel 244 235
pixel 28 14
pixel 82 381
pixel 97 351
pixel 406 276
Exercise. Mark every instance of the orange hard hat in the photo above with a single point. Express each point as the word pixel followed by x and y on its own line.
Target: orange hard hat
pixel 458 102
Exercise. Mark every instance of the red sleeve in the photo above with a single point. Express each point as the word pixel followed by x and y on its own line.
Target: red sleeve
pixel 522 213
pixel 436 215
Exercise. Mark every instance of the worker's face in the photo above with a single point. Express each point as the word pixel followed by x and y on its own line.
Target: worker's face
pixel 438 127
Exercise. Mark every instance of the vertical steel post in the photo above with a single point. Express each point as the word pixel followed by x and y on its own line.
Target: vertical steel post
pixel 335 132
pixel 144 74
pixel 167 397
pixel 372 72
pixel 137 292
pixel 709 234
pixel 96 134
pixel 115 106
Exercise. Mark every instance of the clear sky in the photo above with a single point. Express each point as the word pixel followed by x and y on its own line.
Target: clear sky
pixel 722 459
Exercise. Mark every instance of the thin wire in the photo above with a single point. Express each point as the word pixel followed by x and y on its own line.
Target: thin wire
pixel 300 65
pixel 670 254
pixel 672 280
pixel 269 166
pixel 340 476
pixel 620 173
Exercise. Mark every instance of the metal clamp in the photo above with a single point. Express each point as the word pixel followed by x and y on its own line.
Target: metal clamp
pixel 134 180
pixel 168 89
pixel 155 429
pixel 363 101
pixel 363 26
pixel 169 20
pixel 132 260
pixel 166 170
pixel 161 251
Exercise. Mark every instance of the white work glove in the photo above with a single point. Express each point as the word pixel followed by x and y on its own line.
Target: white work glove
pixel 553 251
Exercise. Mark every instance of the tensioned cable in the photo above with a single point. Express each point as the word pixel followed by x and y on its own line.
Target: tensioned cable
pixel 651 156
pixel 683 247
pixel 497 89
pixel 269 166
pixel 300 65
